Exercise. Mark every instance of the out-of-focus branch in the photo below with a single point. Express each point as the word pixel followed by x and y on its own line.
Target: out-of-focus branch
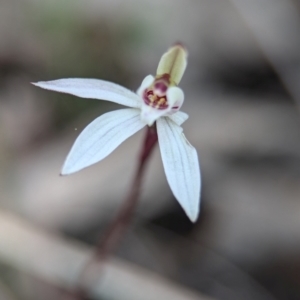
pixel 278 41
pixel 59 262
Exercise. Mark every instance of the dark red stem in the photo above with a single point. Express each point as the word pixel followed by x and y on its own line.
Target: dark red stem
pixel 117 228
pixel 122 220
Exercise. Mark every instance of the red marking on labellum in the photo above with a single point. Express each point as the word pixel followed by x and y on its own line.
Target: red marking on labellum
pixel 154 100
pixel 161 87
pixel 156 95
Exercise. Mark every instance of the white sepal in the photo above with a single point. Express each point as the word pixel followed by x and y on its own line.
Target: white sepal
pixel 147 82
pixel 179 117
pixel 101 137
pixel 93 89
pixel 180 161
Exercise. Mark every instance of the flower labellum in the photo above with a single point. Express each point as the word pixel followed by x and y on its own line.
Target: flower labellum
pixel 159 100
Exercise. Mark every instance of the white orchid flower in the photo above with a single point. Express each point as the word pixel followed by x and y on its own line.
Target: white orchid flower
pixel 157 100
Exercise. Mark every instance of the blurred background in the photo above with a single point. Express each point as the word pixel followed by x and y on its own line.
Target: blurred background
pixel 242 89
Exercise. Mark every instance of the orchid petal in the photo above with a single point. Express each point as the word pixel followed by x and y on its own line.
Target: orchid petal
pixel 147 82
pixel 175 97
pixel 93 89
pixel 181 166
pixel 101 137
pixel 173 62
pixel 150 114
pixel 179 117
